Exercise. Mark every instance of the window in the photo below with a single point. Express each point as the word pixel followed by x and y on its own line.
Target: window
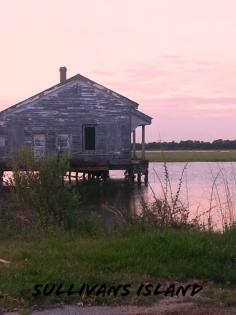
pixel 63 142
pixel 89 137
pixel 2 141
pixel 39 145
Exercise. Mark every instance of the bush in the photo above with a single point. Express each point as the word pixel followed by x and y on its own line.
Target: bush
pixel 38 185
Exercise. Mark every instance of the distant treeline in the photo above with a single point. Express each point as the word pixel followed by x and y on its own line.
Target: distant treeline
pixel 190 145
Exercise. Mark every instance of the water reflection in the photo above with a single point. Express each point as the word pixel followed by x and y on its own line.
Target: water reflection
pixel 207 188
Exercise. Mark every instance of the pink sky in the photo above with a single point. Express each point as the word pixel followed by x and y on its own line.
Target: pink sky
pixel 176 58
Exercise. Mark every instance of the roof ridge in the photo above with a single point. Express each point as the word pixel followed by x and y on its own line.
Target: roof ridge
pixel 42 93
pixel 112 91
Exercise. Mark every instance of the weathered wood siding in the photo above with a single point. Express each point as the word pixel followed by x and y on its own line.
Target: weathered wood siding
pixel 65 111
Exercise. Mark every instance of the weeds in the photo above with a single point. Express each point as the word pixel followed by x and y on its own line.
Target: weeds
pixel 37 186
pixel 222 199
pixel 167 210
pixel 47 203
pixel 159 243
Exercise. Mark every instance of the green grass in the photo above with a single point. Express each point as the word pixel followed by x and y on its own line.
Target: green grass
pixel 156 256
pixel 191 156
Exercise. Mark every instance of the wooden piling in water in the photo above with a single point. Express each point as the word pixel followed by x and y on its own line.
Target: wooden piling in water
pixel 146 178
pixel 1 178
pixel 139 178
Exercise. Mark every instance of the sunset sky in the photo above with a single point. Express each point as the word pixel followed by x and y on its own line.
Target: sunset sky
pixel 176 58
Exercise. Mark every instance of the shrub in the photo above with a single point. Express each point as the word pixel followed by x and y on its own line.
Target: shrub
pixel 38 185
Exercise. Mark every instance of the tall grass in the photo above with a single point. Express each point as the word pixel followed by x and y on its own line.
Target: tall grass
pixel 167 210
pixel 41 200
pixel 159 243
pixel 170 208
pixel 36 185
pixel 223 197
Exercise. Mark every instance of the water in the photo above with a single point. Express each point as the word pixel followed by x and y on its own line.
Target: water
pixel 207 188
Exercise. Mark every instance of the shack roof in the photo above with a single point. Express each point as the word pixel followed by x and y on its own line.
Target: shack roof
pixel 69 82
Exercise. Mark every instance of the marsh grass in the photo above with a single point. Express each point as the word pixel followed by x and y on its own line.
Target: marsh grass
pixel 41 200
pixel 170 207
pixel 167 210
pixel 223 197
pixel 157 245
pixel 190 156
pixel 36 187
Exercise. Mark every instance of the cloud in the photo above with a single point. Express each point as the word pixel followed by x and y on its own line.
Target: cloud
pixel 195 101
pixel 175 84
pixel 190 106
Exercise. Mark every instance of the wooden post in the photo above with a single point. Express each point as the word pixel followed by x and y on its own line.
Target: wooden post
pixel 105 175
pixel 134 144
pixel 139 178
pixel 1 178
pixel 143 142
pixel 76 176
pixel 146 178
pixel 69 177
pixel 131 176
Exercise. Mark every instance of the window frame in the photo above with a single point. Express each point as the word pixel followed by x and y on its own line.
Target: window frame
pixel 69 141
pixel 95 137
pixel 36 147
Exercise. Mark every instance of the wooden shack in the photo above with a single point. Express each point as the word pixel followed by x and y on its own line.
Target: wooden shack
pixel 93 123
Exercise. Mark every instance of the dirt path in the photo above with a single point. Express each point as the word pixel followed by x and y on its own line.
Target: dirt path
pixel 163 308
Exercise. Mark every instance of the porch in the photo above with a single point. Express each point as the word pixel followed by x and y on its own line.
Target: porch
pixel 134 168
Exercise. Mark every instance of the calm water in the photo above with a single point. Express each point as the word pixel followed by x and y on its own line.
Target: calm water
pixel 205 185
